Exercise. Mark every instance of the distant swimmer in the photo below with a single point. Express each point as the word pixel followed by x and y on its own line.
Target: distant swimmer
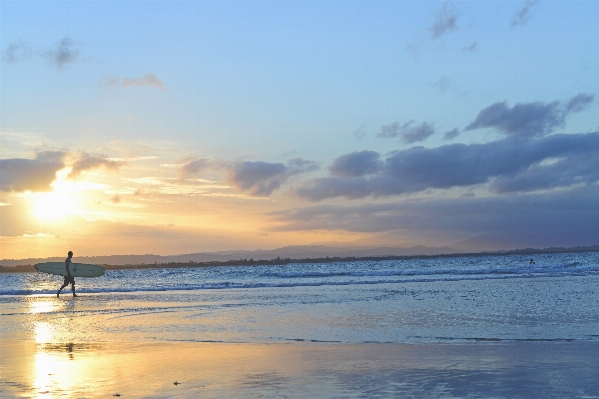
pixel 69 278
pixel 532 262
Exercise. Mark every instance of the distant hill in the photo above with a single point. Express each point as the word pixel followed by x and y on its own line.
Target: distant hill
pixel 307 252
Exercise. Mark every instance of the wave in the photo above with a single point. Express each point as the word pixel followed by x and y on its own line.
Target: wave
pixel 532 269
pixel 253 284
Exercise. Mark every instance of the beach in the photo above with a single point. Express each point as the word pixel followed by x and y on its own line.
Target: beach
pixel 464 328
pixel 299 370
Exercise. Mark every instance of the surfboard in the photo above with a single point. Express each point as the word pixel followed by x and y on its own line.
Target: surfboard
pixel 77 269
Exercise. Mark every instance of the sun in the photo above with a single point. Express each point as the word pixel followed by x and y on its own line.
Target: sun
pixel 51 206
pixel 55 205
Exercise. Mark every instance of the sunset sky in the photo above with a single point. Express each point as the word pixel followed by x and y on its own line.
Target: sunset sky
pixel 152 127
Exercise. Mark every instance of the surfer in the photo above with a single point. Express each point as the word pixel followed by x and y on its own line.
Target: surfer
pixel 68 279
pixel 532 262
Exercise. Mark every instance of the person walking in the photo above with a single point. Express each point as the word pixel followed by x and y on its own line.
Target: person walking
pixel 69 278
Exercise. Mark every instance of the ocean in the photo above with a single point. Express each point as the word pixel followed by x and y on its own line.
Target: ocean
pixel 420 301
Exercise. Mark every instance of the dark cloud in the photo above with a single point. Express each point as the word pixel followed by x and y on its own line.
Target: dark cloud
pixel 85 161
pixel 257 178
pixel 63 53
pixel 149 80
pixel 579 102
pixel 524 14
pixel 19 174
pixel 356 164
pixel 452 134
pixel 446 20
pixel 507 165
pixel 527 120
pixel 254 178
pixel 262 178
pixel 407 132
pixel 573 210
pixel 17 51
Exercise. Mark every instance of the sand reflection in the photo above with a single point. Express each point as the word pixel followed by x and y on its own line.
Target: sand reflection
pixel 41 307
pixel 44 382
pixel 43 332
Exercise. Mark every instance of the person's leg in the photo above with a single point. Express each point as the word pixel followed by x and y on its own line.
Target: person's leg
pixel 73 286
pixel 65 283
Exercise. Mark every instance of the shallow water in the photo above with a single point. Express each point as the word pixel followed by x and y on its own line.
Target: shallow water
pixel 421 301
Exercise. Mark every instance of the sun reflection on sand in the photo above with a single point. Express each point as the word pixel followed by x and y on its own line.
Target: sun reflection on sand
pixel 44 332
pixel 44 376
pixel 63 368
pixel 41 307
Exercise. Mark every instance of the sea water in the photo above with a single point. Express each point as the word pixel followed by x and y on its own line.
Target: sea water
pixel 432 300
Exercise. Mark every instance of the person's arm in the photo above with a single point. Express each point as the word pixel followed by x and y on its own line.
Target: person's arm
pixel 68 263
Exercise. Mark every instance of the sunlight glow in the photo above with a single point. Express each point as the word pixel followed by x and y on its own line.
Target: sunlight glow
pixel 65 199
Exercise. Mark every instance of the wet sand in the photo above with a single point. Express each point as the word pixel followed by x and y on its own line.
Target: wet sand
pixel 298 370
pixel 137 345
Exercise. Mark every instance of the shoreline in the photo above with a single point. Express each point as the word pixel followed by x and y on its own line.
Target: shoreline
pixel 29 268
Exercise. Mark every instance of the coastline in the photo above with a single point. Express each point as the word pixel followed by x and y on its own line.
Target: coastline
pixel 29 268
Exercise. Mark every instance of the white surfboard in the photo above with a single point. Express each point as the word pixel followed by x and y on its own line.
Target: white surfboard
pixel 77 269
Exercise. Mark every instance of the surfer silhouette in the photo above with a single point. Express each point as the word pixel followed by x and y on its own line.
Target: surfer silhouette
pixel 532 262
pixel 69 278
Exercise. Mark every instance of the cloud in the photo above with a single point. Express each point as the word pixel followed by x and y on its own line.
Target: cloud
pixel 471 48
pixel 408 134
pixel 452 134
pixel 65 52
pixel 524 14
pixel 19 174
pixel 579 102
pixel 532 119
pixel 445 21
pixel 360 132
pixel 85 161
pixel 262 178
pixel 414 50
pixel 356 164
pixel 256 178
pixel 17 51
pixel 443 84
pixel 570 210
pixel 195 167
pixel 505 165
pixel 149 80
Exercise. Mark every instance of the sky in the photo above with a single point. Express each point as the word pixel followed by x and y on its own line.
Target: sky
pixel 174 127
